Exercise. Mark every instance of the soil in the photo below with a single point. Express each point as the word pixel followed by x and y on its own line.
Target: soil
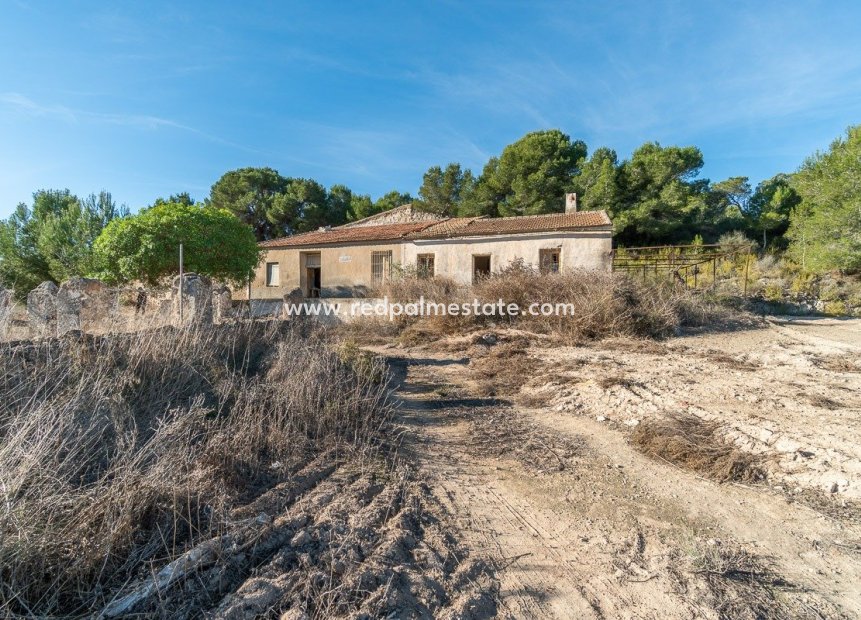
pixel 530 480
pixel 546 485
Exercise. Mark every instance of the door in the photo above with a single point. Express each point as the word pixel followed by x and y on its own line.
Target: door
pixel 313 277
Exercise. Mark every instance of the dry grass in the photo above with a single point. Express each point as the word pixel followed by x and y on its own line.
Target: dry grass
pixel 742 585
pixel 694 444
pixel 118 454
pixel 503 433
pixel 837 363
pixel 592 305
pixel 608 381
pixel 503 369
pixel 729 361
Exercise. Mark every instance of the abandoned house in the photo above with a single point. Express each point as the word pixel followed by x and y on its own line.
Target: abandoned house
pixel 348 260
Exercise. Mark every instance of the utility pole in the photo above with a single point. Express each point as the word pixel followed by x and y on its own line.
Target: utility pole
pixel 180 283
pixel 250 313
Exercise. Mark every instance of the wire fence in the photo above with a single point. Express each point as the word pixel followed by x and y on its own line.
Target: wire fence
pixel 698 267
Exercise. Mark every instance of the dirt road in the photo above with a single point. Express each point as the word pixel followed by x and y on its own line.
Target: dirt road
pixel 578 523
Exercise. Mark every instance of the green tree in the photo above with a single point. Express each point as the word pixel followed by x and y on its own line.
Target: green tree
pixel 145 247
pixel 340 204
pixel 660 200
pixel 442 191
pixel 391 200
pixel 361 206
pixel 825 227
pixel 302 206
pixel 529 177
pixel 250 194
pixel 597 183
pixel 770 206
pixel 723 208
pixel 183 198
pixel 53 239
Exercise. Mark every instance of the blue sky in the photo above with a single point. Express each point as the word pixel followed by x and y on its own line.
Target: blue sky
pixel 147 99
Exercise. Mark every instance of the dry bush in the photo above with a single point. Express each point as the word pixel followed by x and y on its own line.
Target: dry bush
pixel 119 453
pixel 503 433
pixel 695 444
pixel 503 369
pixel 729 361
pixel 591 305
pixel 837 363
pixel 609 381
pixel 742 585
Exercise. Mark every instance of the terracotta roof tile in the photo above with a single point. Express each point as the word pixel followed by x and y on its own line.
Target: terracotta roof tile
pixel 383 232
pixel 449 228
pixel 468 227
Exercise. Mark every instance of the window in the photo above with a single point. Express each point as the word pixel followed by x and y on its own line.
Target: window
pixel 381 266
pixel 273 274
pixel 480 267
pixel 425 265
pixel 549 260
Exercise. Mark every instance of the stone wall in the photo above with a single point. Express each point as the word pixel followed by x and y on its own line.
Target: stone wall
pixel 196 298
pixel 42 310
pixel 85 304
pixel 92 306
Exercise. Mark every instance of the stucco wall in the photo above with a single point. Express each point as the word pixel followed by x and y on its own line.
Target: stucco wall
pixel 345 272
pixel 346 269
pixel 453 257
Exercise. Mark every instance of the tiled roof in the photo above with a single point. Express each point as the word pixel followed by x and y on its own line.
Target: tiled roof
pixel 477 226
pixel 449 228
pixel 383 232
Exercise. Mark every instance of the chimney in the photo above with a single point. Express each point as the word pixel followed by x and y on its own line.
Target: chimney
pixel 571 203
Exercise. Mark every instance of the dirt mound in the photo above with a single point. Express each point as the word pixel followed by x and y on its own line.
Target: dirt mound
pixel 335 540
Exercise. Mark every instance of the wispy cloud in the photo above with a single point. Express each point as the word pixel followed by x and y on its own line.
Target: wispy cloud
pixel 24 105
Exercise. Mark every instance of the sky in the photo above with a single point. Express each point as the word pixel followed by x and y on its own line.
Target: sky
pixel 148 99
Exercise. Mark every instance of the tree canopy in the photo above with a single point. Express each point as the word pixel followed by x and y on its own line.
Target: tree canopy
pixel 442 191
pixel 770 206
pixel 145 247
pixel 530 176
pixel 825 226
pixel 52 239
pixel 276 206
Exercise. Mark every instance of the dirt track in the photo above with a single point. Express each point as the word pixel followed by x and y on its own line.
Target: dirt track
pixel 578 523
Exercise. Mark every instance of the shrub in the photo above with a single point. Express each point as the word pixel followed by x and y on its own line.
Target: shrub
pixel 118 452
pixel 595 304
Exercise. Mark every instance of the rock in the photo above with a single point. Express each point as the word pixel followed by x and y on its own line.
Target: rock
pixel 6 303
pixel 600 418
pixel 222 303
pixel 84 304
pixel 488 339
pixel 196 298
pixel 833 488
pixel 6 299
pixel 301 539
pixel 42 310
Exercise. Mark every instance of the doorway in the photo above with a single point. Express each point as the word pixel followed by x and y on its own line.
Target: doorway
pixel 313 277
pixel 480 267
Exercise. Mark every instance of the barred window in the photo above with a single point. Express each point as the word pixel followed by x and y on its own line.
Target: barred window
pixel 425 265
pixel 381 266
pixel 549 260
